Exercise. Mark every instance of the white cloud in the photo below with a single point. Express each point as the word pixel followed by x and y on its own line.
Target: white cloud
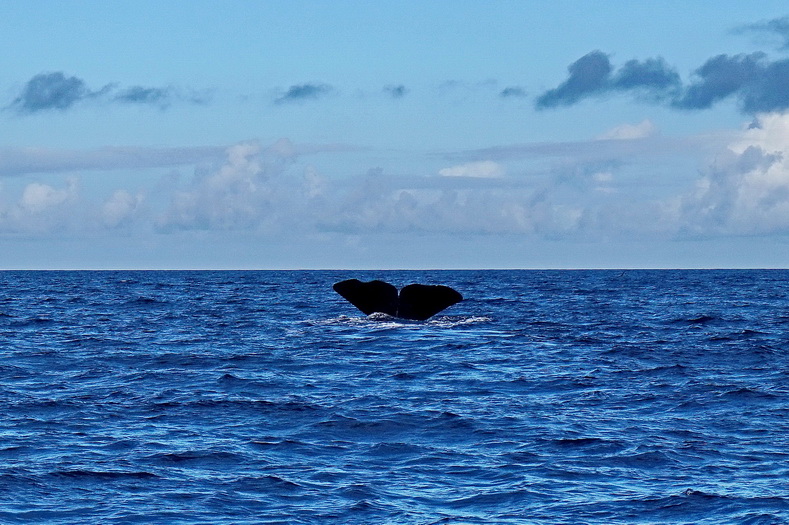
pixel 249 191
pixel 120 208
pixel 315 185
pixel 641 130
pixel 769 132
pixel 41 208
pixel 486 169
pixel 746 189
pixel 37 198
pixel 226 198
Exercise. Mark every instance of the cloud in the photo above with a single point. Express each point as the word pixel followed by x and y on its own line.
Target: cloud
pixel 588 75
pixel 19 161
pixel 120 209
pixel 225 199
pixel 746 190
pixel 247 186
pixel 265 190
pixel 759 84
pixel 609 145
pixel 56 91
pixel 42 208
pixel 656 78
pixel 776 27
pixel 513 92
pixel 254 189
pixel 592 193
pixel 396 91
pixel 593 75
pixel 269 190
pixel 485 169
pixel 37 197
pixel 161 97
pixel 719 78
pixel 641 130
pixel 593 190
pixel 302 92
pixel 51 91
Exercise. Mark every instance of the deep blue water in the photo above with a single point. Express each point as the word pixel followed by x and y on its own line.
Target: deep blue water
pixel 263 397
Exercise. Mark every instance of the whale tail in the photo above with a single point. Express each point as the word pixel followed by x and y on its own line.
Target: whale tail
pixel 415 301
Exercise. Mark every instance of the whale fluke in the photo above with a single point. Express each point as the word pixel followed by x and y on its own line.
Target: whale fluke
pixel 415 301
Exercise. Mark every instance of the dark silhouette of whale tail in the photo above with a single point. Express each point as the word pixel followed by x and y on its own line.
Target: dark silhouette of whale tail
pixel 415 301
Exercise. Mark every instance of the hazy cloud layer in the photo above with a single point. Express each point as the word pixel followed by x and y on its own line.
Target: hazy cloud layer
pixel 641 130
pixel 584 192
pixel 485 169
pixel 622 142
pixel 56 91
pixel 19 161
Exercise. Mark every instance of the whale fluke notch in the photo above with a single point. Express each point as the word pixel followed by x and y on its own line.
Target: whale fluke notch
pixel 417 302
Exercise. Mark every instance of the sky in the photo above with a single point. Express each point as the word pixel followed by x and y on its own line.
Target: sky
pixel 371 135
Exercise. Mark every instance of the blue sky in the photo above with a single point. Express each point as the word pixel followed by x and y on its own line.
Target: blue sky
pixel 354 134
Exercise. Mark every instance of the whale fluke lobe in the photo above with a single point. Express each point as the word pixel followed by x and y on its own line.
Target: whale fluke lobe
pixel 415 301
pixel 422 301
pixel 375 296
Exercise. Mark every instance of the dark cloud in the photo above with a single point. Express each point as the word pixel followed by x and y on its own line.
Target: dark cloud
pixel 777 27
pixel 513 92
pixel 56 91
pixel 145 95
pixel 770 92
pixel 47 91
pixel 593 74
pixel 652 75
pixel 304 92
pixel 589 75
pixel 398 91
pixel 721 77
pixel 759 84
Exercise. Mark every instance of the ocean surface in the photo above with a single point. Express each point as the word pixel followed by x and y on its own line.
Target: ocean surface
pixel 555 397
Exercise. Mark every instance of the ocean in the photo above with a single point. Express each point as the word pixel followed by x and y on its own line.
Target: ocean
pixel 262 397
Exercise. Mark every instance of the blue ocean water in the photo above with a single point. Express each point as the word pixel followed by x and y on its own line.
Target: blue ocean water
pixel 263 397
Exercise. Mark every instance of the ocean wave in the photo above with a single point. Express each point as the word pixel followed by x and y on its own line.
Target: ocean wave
pixel 102 475
pixel 385 321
